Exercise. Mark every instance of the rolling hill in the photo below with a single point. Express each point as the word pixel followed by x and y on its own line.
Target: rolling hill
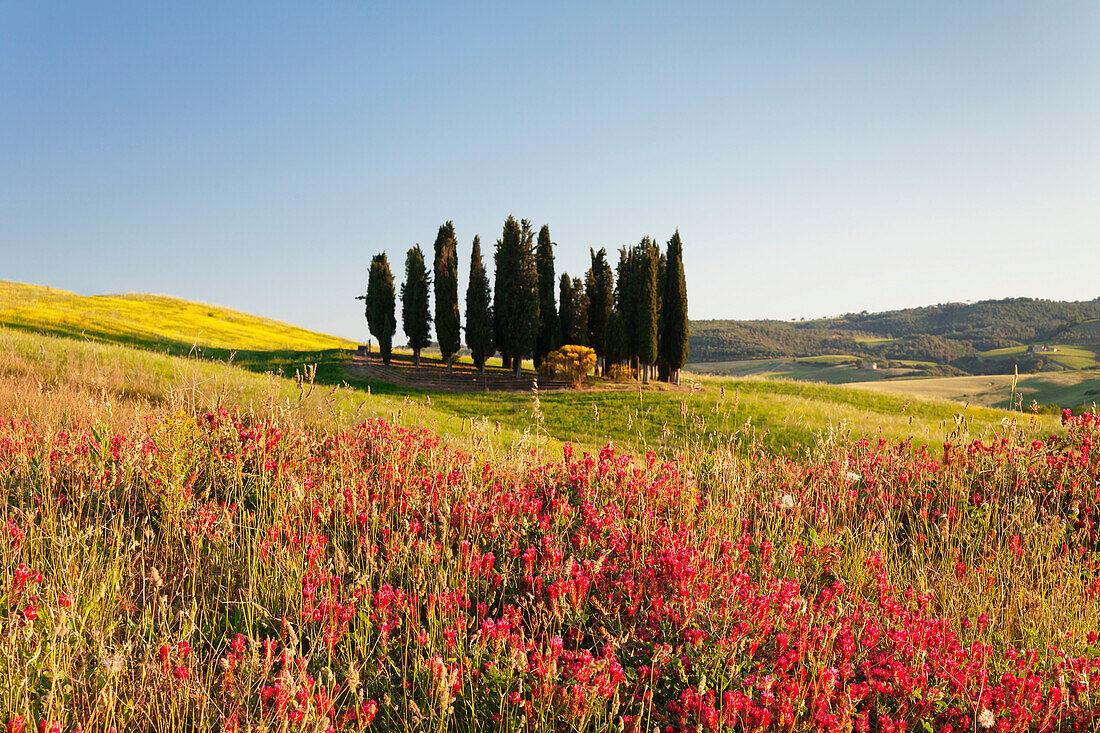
pixel 66 350
pixel 154 322
pixel 988 337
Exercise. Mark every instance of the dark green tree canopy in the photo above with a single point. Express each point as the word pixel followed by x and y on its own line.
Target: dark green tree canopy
pixel 599 289
pixel 447 324
pixel 415 316
pixel 573 310
pixel 617 348
pixel 516 310
pixel 674 316
pixel 479 314
pixel 549 333
pixel 648 303
pixel 380 304
pixel 628 297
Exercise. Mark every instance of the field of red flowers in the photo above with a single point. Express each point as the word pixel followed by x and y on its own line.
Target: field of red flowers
pixel 216 572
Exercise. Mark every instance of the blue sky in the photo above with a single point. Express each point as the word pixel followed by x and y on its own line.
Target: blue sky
pixel 818 158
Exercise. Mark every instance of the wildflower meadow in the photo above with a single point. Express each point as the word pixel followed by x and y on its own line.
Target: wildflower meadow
pixel 222 572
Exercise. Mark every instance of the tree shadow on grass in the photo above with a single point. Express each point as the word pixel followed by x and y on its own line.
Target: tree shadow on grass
pixel 330 363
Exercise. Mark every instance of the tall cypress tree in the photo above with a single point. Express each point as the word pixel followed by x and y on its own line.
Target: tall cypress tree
pixel 662 363
pixel 674 317
pixel 447 325
pixel 573 307
pixel 479 315
pixel 416 319
pixel 517 304
pixel 580 312
pixel 599 287
pixel 380 305
pixel 646 256
pixel 504 275
pixel 565 308
pixel 627 299
pixel 549 333
pixel 617 347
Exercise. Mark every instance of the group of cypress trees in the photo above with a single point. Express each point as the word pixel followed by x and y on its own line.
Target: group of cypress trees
pixel 638 317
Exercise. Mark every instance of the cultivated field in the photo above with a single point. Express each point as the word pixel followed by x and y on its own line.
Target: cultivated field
pixel 828 369
pixel 1080 389
pixel 1069 357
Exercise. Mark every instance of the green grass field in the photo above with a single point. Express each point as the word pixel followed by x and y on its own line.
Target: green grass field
pixel 91 350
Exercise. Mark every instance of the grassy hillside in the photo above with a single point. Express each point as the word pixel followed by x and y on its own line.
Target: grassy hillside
pixel 785 414
pixel 67 377
pixel 73 380
pixel 42 345
pixel 151 322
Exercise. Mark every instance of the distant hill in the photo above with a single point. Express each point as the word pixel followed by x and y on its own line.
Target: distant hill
pixel 990 336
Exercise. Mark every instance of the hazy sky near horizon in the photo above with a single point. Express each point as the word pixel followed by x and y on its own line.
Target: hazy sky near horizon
pixel 817 158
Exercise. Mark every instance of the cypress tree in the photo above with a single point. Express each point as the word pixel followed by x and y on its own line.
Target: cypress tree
pixel 645 271
pixel 504 276
pixel 380 305
pixel 617 347
pixel 565 308
pixel 674 317
pixel 416 319
pixel 479 315
pixel 549 333
pixel 627 299
pixel 574 311
pixel 517 299
pixel 447 325
pixel 580 312
pixel 662 363
pixel 599 288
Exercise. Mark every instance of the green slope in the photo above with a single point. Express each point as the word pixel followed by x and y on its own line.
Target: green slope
pixel 47 338
pixel 151 322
